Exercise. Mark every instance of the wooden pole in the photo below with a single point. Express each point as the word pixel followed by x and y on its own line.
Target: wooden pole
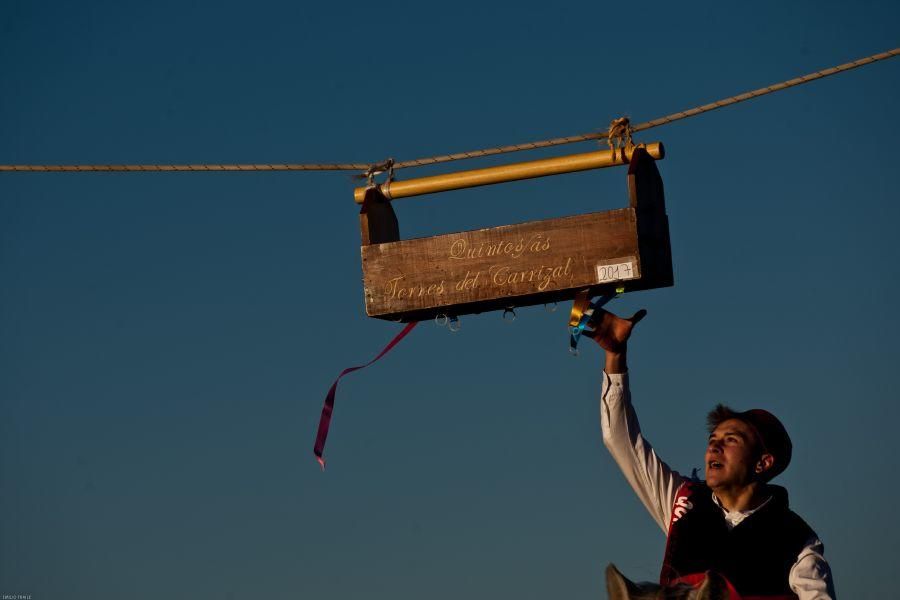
pixel 514 172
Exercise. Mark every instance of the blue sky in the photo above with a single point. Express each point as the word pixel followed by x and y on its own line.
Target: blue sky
pixel 166 340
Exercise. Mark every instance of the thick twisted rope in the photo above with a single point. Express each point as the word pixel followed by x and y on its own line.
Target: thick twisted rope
pixel 418 162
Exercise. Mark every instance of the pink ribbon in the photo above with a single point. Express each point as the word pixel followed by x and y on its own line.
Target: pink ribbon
pixel 328 406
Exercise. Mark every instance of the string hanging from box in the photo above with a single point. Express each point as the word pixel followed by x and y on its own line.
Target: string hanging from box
pixel 328 405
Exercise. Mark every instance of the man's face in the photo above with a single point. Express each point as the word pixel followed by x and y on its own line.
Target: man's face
pixel 731 455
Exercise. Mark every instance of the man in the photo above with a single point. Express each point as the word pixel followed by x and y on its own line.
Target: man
pixel 735 523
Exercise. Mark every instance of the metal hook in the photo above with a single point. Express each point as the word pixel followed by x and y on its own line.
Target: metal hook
pixel 453 324
pixel 390 170
pixel 378 169
pixel 509 310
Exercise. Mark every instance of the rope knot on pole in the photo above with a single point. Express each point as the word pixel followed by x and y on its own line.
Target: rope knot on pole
pixel 619 135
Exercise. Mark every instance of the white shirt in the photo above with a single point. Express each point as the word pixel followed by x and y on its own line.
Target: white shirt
pixel 655 483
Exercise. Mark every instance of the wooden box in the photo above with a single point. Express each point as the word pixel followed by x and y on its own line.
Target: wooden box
pixel 517 265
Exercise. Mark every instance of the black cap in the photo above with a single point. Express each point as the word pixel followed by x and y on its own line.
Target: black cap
pixel 771 433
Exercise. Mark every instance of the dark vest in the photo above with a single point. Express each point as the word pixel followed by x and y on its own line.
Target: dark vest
pixel 756 556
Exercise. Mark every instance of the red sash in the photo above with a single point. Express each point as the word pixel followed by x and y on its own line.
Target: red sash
pixel 695 580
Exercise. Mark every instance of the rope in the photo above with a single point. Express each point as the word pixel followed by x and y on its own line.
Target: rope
pixel 473 153
pixel 194 168
pixel 766 90
pixel 655 122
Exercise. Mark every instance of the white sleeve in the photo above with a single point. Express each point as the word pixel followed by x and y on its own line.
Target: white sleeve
pixel 810 577
pixel 650 478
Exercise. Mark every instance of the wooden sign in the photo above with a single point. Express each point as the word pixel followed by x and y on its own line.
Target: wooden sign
pixel 517 265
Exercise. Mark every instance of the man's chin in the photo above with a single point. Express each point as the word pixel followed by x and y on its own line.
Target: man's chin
pixel 713 480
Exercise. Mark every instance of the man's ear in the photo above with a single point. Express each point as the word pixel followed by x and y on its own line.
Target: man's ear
pixel 765 462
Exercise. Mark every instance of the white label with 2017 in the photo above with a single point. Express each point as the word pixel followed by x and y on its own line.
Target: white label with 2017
pixel 615 272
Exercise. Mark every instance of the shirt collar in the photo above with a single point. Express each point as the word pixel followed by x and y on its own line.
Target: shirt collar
pixel 734 517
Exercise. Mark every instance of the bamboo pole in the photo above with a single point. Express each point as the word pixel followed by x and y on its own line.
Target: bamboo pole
pixel 513 172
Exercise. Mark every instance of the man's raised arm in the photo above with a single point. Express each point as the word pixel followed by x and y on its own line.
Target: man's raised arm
pixel 651 479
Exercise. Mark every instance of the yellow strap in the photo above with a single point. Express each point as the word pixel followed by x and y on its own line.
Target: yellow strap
pixel 579 305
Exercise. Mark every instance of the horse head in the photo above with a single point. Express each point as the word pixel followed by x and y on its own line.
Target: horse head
pixel 713 587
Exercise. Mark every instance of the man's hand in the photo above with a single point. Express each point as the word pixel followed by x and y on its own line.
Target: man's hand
pixel 612 333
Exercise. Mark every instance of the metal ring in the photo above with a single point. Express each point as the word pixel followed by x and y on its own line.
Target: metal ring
pixel 441 320
pixel 453 324
pixel 509 310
